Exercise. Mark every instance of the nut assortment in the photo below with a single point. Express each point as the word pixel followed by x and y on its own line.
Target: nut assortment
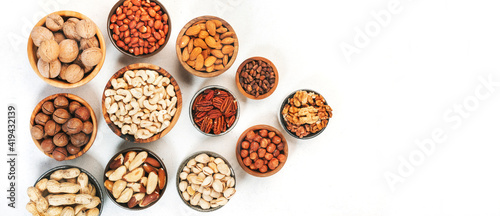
pixel 262 150
pixel 207 45
pixel 257 77
pixel 139 27
pixel 214 110
pixel 306 113
pixel 135 179
pixel 63 127
pixel 206 182
pixel 67 48
pixel 142 103
pixel 66 192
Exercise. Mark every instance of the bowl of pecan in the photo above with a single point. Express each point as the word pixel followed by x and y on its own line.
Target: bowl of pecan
pixel 257 78
pixel 304 114
pixel 214 110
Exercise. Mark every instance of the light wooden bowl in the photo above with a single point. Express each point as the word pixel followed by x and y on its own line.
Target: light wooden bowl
pixel 256 172
pixel 71 97
pixel 55 81
pixel 240 68
pixel 178 94
pixel 202 73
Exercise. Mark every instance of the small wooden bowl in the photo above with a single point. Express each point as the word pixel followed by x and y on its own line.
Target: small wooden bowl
pixel 38 109
pixel 92 180
pixel 150 154
pixel 240 68
pixel 110 33
pixel 201 73
pixel 32 49
pixel 256 172
pixel 161 71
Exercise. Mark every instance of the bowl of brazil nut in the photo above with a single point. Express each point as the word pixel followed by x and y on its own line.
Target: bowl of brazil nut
pixel 304 114
pixel 206 181
pixel 257 78
pixel 261 150
pixel 63 126
pixel 139 28
pixel 207 46
pixel 135 178
pixel 141 102
pixel 66 190
pixel 66 49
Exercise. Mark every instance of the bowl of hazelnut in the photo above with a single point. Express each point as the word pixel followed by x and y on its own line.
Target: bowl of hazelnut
pixel 257 78
pixel 63 126
pixel 207 46
pixel 262 150
pixel 66 49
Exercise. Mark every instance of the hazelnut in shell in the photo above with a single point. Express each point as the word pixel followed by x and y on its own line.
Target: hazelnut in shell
pixel 73 106
pixel 82 113
pixel 47 145
pixel 61 102
pixel 73 126
pixel 86 28
pixel 91 56
pixel 49 50
pixel 52 128
pixel 54 22
pixel 60 153
pixel 73 73
pixel 48 107
pixel 37 132
pixel 69 29
pixel 59 36
pixel 86 43
pixel 60 139
pixel 49 69
pixel 40 34
pixel 61 116
pixel 79 139
pixel 68 50
pixel 88 127
pixel 41 119
pixel 72 149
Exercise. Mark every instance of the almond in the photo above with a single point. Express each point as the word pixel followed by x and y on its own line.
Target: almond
pixel 194 54
pixel 218 23
pixel 193 30
pixel 227 34
pixel 228 40
pixel 211 28
pixel 134 175
pixel 217 53
pixel 190 45
pixel 221 30
pixel 162 178
pixel 200 43
pixel 227 49
pixel 210 41
pixel 184 41
pixel 138 160
pixel 152 182
pixel 185 55
pixel 149 199
pixel 203 34
pixel 210 61
pixel 198 65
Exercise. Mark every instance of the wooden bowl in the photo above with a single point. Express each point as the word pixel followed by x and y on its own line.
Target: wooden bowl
pixel 92 180
pixel 73 97
pixel 110 33
pixel 184 163
pixel 161 71
pixel 256 172
pixel 32 49
pixel 150 154
pixel 240 68
pixel 202 73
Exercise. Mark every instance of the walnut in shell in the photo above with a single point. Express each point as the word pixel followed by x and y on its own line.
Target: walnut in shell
pixel 63 71
pixel 49 69
pixel 68 50
pixel 54 22
pixel 86 43
pixel 91 56
pixel 59 36
pixel 86 28
pixel 49 50
pixel 69 29
pixel 73 73
pixel 40 34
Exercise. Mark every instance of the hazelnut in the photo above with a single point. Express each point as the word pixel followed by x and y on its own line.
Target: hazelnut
pixel 79 139
pixel 276 153
pixel 40 34
pixel 37 132
pixel 49 50
pixel 68 50
pixel 271 134
pixel 61 102
pixel 263 133
pixel 86 28
pixel 261 153
pixel 253 155
pixel 245 144
pixel 63 71
pixel 247 161
pixel 52 128
pixel 280 147
pixel 60 153
pixel 58 37
pixel 271 148
pixel 54 22
pixel 49 69
pixel 276 140
pixel 91 56
pixel 60 139
pixel 47 145
pixel 69 29
pixel 273 163
pixel 268 156
pixel 73 106
pixel 250 136
pixel 263 169
pixel 244 153
pixel 264 143
pixel 282 158
pixel 41 118
pixel 86 43
pixel 48 107
pixel 73 126
pixel 254 146
pixel 72 149
pixel 73 73
pixel 88 127
pixel 61 116
pixel 259 163
pixel 82 113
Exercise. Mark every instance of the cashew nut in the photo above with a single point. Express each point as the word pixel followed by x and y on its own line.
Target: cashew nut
pixel 135 117
pixel 112 117
pixel 109 92
pixel 127 119
pixel 151 76
pixel 122 111
pixel 134 129
pixel 163 82
pixel 142 74
pixel 136 92
pixel 126 93
pixel 118 83
pixel 152 129
pixel 163 104
pixel 126 129
pixel 108 101
pixel 170 90
pixel 127 76
pixel 143 134
pixel 135 107
pixel 137 81
pixel 145 123
pixel 148 90
pixel 141 101
pixel 149 106
pixel 164 125
pixel 155 98
pixel 118 97
pixel 113 108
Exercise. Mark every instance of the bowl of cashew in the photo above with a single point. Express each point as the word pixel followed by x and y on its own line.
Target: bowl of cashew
pixel 141 102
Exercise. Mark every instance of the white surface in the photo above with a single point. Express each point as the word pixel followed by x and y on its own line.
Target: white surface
pixel 395 91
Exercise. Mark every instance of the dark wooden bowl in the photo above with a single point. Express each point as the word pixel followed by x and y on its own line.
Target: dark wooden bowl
pixel 110 33
pixel 55 81
pixel 238 84
pixel 202 73
pixel 256 172
pixel 38 108
pixel 178 94
pixel 150 154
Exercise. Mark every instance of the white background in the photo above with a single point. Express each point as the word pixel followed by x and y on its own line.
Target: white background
pixel 397 89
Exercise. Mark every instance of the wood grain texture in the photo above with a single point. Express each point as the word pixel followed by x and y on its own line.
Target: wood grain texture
pixel 202 73
pixel 256 172
pixel 62 83
pixel 71 97
pixel 161 71
pixel 240 68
